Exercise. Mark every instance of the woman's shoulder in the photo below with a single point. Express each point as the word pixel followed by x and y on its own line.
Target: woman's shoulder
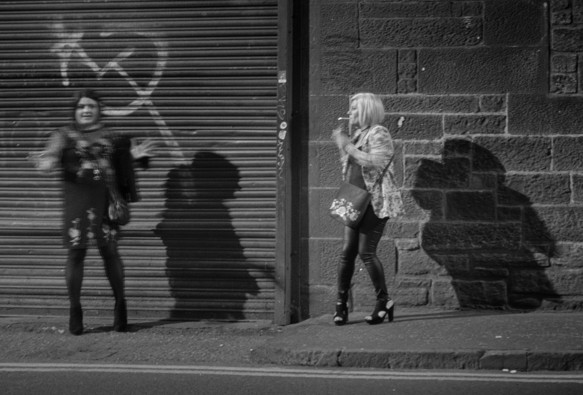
pixel 379 129
pixel 379 132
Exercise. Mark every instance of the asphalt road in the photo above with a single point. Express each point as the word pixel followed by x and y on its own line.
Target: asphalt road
pixel 97 379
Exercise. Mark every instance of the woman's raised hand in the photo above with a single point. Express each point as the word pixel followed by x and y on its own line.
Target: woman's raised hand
pixel 340 137
pixel 146 149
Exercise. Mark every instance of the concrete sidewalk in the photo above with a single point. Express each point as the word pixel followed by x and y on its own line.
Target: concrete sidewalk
pixel 417 339
pixel 435 340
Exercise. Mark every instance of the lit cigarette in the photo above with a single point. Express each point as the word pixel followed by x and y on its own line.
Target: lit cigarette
pixel 343 119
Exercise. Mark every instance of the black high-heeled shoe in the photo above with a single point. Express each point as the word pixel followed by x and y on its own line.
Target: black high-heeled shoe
pixel 383 308
pixel 120 321
pixel 341 315
pixel 76 320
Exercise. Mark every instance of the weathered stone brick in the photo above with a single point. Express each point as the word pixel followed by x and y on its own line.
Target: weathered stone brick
pixel 431 104
pixel 503 259
pixel 493 103
pixel 535 228
pixel 407 70
pixel 407 56
pixel 358 70
pixel 529 281
pixel 566 281
pixel 521 301
pixel 402 33
pixel 568 255
pixel 561 223
pixel 327 165
pixel 415 9
pixel 515 153
pixel 416 262
pixel 422 147
pixel 513 23
pixel 506 214
pixel 577 11
pixel 481 293
pixel 454 147
pixel 423 205
pixel 424 173
pixel 466 8
pixel 475 124
pixel 329 253
pixel 471 236
pixel 322 224
pixel 557 5
pixel 443 294
pixel 489 273
pixel 405 86
pixel 322 299
pixel 411 296
pixel 398 228
pixel 483 181
pixel 577 182
pixel 564 63
pixel 561 18
pixel 452 264
pixel 482 70
pixel 324 113
pixel 538 114
pixel 567 153
pixel 564 83
pixel 404 282
pixel 567 40
pixel 398 163
pixel 415 127
pixel 536 188
pixel 339 25
pixel 470 206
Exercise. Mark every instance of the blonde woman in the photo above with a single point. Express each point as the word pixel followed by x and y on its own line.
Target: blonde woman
pixel 364 155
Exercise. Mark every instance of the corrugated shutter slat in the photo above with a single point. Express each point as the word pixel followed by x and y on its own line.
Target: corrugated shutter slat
pixel 198 77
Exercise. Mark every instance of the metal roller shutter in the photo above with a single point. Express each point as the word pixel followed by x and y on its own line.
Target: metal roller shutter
pixel 200 77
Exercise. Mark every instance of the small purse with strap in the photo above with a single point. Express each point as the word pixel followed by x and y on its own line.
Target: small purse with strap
pixel 350 202
pixel 118 209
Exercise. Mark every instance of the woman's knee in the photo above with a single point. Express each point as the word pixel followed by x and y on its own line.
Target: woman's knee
pixel 368 257
pixel 76 256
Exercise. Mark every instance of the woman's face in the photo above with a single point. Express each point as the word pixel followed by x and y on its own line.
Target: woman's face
pixel 87 112
pixel 353 113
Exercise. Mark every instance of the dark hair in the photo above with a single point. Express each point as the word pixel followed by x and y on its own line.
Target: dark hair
pixel 91 94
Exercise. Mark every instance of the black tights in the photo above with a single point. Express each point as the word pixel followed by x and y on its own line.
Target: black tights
pixel 113 269
pixel 362 242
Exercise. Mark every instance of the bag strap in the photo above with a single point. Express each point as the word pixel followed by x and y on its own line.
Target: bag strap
pixel 384 170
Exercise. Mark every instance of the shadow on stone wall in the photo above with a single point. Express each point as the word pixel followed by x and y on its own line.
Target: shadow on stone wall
pixel 491 246
pixel 206 265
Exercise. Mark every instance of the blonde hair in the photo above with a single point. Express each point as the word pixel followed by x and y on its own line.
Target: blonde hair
pixel 370 108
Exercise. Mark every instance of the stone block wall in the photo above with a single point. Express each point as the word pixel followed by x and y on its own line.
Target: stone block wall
pixel 484 100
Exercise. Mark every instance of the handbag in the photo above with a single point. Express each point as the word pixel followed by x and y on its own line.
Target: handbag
pixel 118 209
pixel 350 202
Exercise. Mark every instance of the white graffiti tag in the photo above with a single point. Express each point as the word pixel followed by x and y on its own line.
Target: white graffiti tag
pixel 69 45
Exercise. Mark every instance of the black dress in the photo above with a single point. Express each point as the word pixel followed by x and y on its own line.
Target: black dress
pixel 91 162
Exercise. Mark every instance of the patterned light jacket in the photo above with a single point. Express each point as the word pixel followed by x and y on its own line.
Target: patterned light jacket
pixel 373 149
pixel 121 160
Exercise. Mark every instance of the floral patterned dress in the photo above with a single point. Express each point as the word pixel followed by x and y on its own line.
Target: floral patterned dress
pixel 86 160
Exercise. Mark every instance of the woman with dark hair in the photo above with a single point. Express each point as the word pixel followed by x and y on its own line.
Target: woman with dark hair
pixel 366 157
pixel 96 166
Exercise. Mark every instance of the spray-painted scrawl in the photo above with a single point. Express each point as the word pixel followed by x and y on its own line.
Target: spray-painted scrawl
pixel 69 48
